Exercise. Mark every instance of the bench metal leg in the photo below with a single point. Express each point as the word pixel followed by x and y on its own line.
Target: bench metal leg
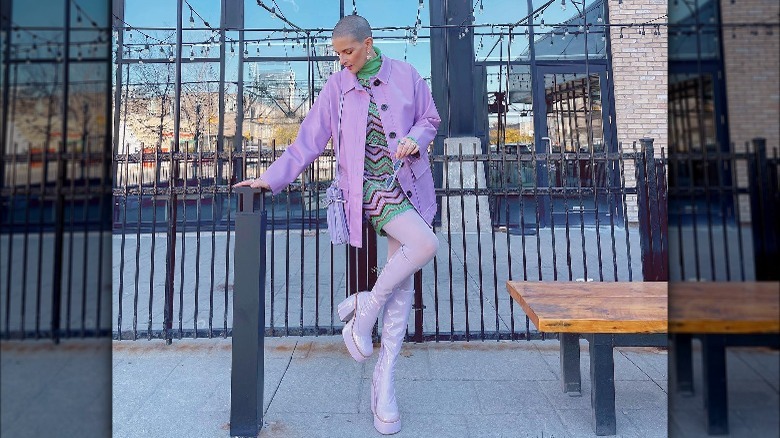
pixel 602 377
pixel 683 364
pixel 570 363
pixel 715 386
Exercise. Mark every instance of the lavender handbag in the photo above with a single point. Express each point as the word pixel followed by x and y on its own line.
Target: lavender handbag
pixel 334 197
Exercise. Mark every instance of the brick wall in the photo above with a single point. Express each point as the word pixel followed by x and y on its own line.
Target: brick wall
pixel 750 58
pixel 639 65
pixel 752 73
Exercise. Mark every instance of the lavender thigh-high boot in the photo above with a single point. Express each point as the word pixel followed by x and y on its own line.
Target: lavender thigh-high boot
pixel 387 416
pixel 361 310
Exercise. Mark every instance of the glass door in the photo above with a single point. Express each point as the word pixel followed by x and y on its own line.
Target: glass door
pixel 698 143
pixel 574 126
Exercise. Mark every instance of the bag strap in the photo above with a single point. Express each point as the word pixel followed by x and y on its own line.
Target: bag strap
pixel 338 134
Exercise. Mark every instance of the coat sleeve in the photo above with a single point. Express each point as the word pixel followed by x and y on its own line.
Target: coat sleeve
pixel 313 136
pixel 426 117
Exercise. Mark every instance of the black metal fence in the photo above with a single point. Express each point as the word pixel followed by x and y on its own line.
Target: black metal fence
pixel 55 241
pixel 723 206
pixel 504 215
pixel 512 214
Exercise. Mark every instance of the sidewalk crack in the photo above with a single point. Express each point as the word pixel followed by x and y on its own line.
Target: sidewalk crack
pixel 643 372
pixel 284 373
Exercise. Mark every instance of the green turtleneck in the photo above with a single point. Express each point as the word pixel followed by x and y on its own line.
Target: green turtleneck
pixel 371 67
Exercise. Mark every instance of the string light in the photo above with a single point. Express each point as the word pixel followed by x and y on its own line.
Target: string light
pixel 410 33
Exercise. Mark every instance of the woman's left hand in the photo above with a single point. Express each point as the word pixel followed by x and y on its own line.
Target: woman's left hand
pixel 406 147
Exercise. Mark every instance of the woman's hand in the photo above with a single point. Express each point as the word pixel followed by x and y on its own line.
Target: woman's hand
pixel 406 147
pixel 255 183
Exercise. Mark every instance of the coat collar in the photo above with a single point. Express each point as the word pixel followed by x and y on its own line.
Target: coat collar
pixel 351 82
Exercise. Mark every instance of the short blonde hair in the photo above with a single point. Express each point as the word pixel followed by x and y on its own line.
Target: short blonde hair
pixel 353 26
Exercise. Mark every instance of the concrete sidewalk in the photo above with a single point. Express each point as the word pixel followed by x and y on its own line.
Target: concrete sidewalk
pixel 313 388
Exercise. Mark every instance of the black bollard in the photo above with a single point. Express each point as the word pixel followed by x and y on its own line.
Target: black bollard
pixel 246 376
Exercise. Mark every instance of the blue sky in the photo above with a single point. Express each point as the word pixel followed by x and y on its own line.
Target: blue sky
pixel 323 14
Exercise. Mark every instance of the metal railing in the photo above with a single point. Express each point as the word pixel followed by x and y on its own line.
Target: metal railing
pixel 503 215
pixel 723 210
pixel 56 235
pixel 565 216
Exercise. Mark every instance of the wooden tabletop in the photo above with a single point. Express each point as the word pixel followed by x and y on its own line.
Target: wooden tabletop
pixel 737 307
pixel 604 307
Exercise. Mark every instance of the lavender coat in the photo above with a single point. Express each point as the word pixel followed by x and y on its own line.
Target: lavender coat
pixel 407 109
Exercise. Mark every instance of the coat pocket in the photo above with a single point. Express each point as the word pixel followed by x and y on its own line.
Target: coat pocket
pixel 419 165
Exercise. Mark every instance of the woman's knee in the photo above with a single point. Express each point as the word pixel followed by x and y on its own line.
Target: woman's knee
pixel 429 245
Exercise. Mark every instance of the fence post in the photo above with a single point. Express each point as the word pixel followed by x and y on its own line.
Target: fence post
pixel 653 268
pixel 418 308
pixel 247 373
pixel 363 268
pixel 663 214
pixel 762 214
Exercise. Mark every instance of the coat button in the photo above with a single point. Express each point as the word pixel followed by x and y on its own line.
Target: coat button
pixel 384 107
pixel 392 134
pixel 376 82
pixel 408 193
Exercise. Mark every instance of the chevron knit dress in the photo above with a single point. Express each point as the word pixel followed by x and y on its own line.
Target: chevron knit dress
pixel 380 205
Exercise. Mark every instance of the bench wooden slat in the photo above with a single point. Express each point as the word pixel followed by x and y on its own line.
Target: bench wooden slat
pixel 725 308
pixel 613 308
pixel 603 289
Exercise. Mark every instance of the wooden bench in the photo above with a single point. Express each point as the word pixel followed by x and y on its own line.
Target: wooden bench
pixel 721 315
pixel 607 315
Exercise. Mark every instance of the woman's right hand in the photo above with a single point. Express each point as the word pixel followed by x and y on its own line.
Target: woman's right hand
pixel 255 183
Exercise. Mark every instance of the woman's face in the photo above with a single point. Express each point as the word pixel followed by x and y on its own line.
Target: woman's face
pixel 352 53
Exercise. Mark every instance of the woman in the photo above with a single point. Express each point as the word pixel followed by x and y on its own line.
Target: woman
pixel 387 118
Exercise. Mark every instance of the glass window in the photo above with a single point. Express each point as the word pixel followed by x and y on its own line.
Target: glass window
pixel 492 43
pixel 693 32
pixel 573 32
pixel 303 14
